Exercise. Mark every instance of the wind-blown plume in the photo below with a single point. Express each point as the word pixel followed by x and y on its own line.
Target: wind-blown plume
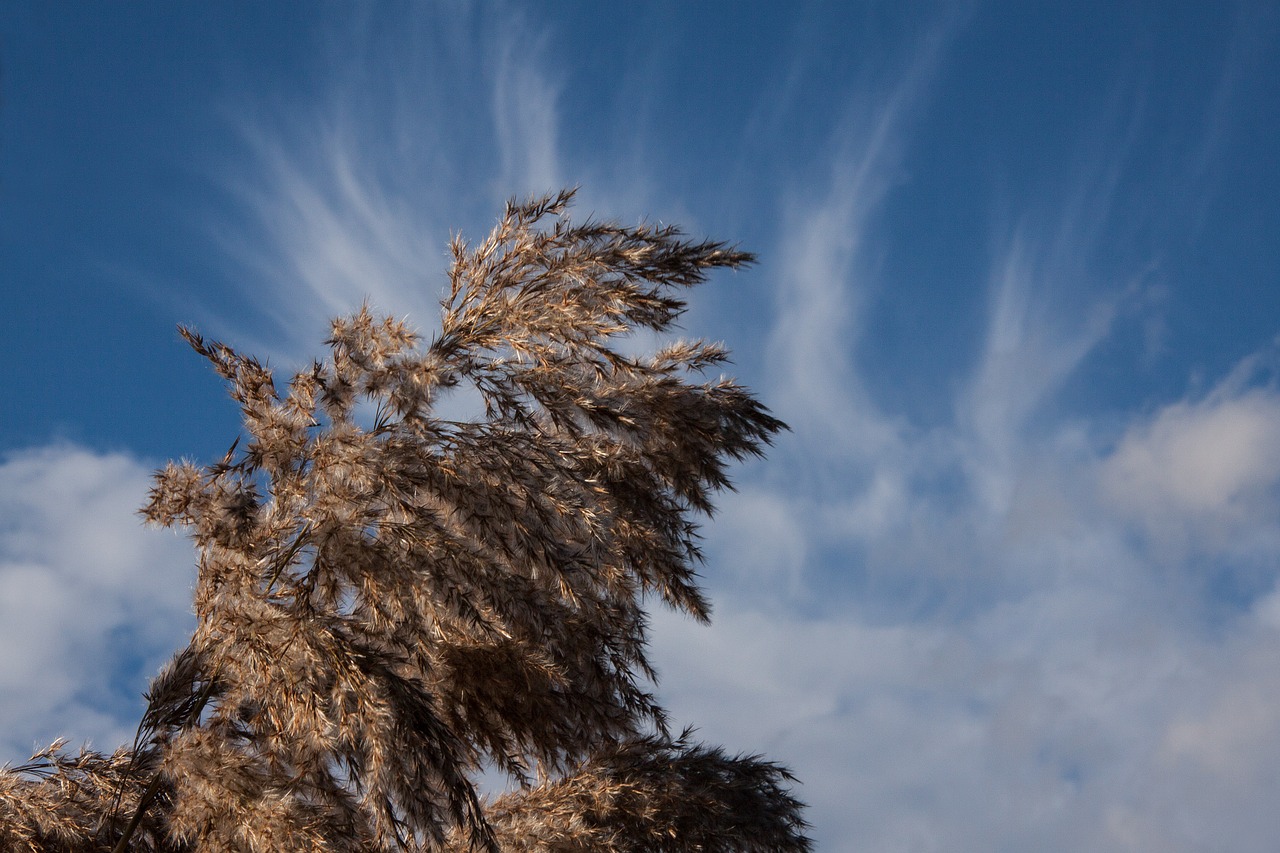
pixel 390 602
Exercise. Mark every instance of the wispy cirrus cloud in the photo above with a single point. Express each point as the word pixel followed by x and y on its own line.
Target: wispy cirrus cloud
pixel 354 193
pixel 824 267
pixel 525 111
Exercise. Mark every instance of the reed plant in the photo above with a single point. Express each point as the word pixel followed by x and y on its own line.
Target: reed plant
pixel 393 604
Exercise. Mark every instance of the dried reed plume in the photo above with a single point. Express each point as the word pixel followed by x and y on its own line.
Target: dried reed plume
pixel 391 603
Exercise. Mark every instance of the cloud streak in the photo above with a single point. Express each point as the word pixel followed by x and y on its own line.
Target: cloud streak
pixel 353 195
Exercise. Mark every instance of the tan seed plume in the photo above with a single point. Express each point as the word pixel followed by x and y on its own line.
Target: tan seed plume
pixel 391 603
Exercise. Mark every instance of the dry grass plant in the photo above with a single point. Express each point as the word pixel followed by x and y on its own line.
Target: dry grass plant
pixel 389 604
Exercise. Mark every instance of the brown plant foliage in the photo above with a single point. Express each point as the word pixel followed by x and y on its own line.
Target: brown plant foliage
pixel 390 602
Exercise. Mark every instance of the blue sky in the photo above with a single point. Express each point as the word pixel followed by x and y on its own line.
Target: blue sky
pixel 1011 581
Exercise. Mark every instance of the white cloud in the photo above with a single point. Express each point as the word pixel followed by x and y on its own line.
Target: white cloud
pixel 1063 720
pixel 1011 672
pixel 952 633
pixel 1205 470
pixel 759 541
pixel 91 603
